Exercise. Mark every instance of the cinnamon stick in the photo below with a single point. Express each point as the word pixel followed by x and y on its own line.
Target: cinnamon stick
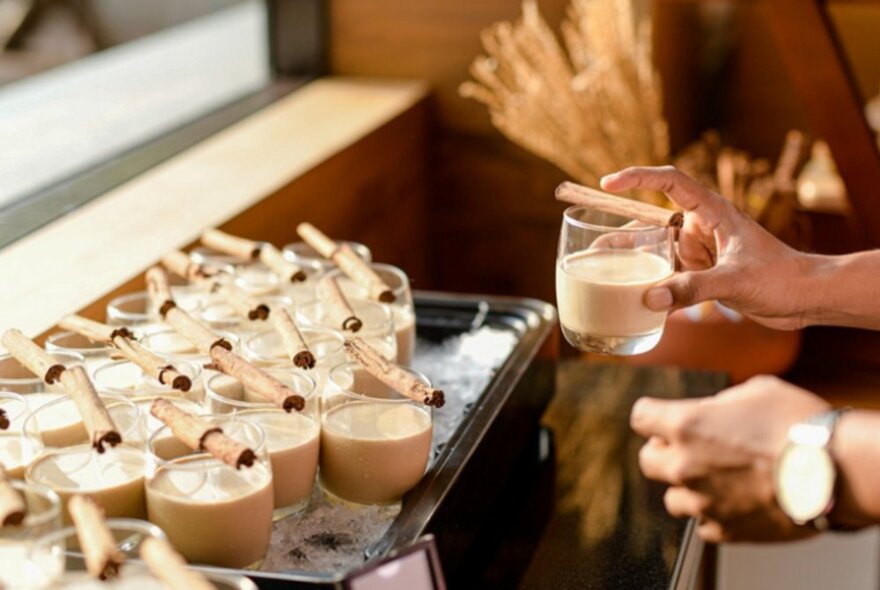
pixel 4 420
pixel 360 272
pixel 200 435
pixel 13 508
pixel 229 244
pixel 392 375
pixel 95 417
pixel 123 341
pixel 242 303
pixel 338 307
pixel 275 260
pixel 591 198
pixel 257 380
pixel 170 567
pixel 196 332
pixel 181 264
pixel 159 290
pixel 318 240
pixel 294 343
pixel 103 558
pixel 38 361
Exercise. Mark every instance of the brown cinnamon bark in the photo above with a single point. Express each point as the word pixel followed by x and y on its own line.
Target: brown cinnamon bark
pixel 97 420
pixel 94 331
pixel 196 332
pixel 294 343
pixel 337 306
pixel 181 264
pixel 160 290
pixel 242 303
pixel 170 567
pixel 608 203
pixel 317 239
pixel 229 244
pixel 13 508
pixel 257 380
pixel 4 420
pixel 360 272
pixel 392 375
pixel 103 558
pixel 274 259
pixel 38 361
pixel 200 435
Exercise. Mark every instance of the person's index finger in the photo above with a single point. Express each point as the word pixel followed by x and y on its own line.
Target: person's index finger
pixel 682 189
pixel 657 417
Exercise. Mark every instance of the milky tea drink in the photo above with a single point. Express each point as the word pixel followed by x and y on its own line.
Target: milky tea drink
pixel 602 277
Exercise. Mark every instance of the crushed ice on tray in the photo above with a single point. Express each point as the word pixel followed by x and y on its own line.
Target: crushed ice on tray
pixel 329 538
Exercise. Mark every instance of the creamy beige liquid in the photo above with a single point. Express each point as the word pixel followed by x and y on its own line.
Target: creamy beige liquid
pixel 61 424
pixel 167 446
pixel 293 441
pixel 11 454
pixel 216 515
pixel 372 453
pixel 328 353
pixel 115 478
pixel 170 343
pixel 257 280
pixel 128 379
pixel 405 332
pixel 601 294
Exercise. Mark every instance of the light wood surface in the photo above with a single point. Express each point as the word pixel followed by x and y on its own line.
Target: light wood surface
pixel 90 252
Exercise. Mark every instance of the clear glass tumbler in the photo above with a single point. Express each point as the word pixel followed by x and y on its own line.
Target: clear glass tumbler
pixel 377 329
pixel 604 267
pixel 14 411
pixel 16 377
pixel 16 542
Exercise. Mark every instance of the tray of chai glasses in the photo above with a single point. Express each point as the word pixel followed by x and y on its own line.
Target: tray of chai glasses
pixel 479 351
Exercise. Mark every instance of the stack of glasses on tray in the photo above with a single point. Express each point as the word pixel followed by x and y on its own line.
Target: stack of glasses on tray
pixel 211 403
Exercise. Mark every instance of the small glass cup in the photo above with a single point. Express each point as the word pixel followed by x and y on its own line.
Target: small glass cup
pixel 175 348
pixel 213 513
pixel 402 310
pixel 266 349
pixel 293 439
pixel 43 516
pixel 168 446
pixel 375 443
pixel 94 353
pixel 127 379
pixel 58 557
pixel 303 254
pixel 604 267
pixel 257 280
pixel 137 310
pixel 377 329
pixel 219 315
pixel 215 260
pixel 14 411
pixel 16 377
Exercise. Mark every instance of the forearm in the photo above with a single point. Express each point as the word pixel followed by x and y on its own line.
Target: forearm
pixel 844 290
pixel 856 448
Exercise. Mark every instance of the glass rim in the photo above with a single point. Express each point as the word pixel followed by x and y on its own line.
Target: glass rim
pixel 401 399
pixel 112 523
pixel 291 247
pixel 73 356
pixel 52 346
pixel 568 218
pixel 78 448
pixel 398 273
pixel 231 337
pixel 118 314
pixel 176 462
pixel 319 329
pixel 64 398
pixel 244 404
pixel 384 309
pixel 235 317
pixel 190 369
pixel 12 395
pixel 54 511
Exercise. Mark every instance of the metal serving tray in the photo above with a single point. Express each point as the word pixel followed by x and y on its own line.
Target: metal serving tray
pixel 468 471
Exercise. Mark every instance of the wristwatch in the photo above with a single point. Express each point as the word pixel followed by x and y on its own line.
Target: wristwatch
pixel 805 472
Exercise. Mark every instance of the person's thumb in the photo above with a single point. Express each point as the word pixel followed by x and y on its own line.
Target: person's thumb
pixel 687 288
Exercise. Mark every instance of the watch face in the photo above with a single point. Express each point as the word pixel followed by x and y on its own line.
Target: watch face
pixel 804 482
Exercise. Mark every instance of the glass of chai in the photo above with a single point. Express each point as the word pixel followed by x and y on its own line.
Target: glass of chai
pixel 303 254
pixel 402 310
pixel 43 516
pixel 13 412
pixel 604 267
pixel 375 443
pixel 220 315
pixel 136 310
pixel 377 329
pixel 128 379
pixel 213 513
pixel 170 345
pixel 16 377
pixel 61 457
pixel 266 349
pixel 94 353
pixel 293 439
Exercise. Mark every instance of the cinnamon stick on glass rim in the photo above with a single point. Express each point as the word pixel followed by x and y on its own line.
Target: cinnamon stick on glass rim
pixel 337 306
pixel 348 262
pixel 200 435
pixel 182 264
pixel 257 380
pixel 123 340
pixel 392 375
pixel 35 359
pixel 4 420
pixel 228 244
pixel 242 303
pixel 273 258
pixel 591 198
pixel 170 567
pixel 294 343
pixel 102 556
pixel 13 508
pixel 95 416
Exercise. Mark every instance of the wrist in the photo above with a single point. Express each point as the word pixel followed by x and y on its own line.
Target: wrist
pixel 816 277
pixel 855 449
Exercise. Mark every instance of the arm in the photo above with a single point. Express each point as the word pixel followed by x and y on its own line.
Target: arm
pixel 726 256
pixel 856 448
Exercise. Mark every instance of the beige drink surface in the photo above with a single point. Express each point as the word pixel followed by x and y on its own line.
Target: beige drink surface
pixel 115 478
pixel 601 293
pixel 213 514
pixel 11 454
pixel 372 453
pixel 405 333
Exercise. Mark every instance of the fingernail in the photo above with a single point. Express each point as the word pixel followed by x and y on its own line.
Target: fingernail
pixel 606 179
pixel 659 299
